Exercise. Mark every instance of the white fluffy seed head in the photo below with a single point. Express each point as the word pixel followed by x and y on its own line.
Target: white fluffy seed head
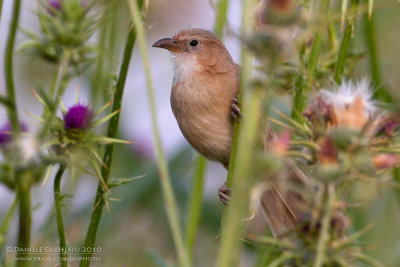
pixel 348 92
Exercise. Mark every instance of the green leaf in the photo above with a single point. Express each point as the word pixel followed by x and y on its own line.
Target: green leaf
pixel 114 182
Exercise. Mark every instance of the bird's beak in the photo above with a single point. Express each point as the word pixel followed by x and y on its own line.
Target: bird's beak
pixel 167 43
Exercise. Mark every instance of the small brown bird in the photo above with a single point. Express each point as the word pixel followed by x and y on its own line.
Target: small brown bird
pixel 203 100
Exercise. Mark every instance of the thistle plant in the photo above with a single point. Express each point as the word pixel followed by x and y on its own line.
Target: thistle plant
pixel 69 140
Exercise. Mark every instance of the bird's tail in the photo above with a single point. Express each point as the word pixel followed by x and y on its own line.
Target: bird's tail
pixel 281 204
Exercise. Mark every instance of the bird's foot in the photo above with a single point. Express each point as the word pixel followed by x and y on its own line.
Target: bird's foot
pixel 223 193
pixel 235 110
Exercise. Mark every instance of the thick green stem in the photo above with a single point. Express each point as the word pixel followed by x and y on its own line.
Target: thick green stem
pixel 220 19
pixel 59 218
pixel 24 228
pixel 108 155
pixel 8 67
pixel 195 204
pixel 241 151
pixel 169 198
pixel 242 182
pixel 369 32
pixel 325 229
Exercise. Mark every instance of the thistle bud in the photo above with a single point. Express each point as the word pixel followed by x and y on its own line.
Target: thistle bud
pixel 56 4
pixel 383 161
pixel 327 154
pixel 281 144
pixel 350 106
pixel 277 12
pixel 78 117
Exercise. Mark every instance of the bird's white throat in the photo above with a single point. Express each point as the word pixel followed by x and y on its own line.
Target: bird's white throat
pixel 185 67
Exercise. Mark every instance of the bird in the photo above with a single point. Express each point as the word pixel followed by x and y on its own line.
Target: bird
pixel 204 102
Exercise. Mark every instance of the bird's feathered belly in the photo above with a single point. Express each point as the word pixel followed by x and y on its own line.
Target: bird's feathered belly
pixel 207 127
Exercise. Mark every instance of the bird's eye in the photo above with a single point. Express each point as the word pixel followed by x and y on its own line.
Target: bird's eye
pixel 193 42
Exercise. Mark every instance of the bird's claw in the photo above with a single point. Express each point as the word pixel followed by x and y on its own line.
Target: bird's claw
pixel 235 110
pixel 223 193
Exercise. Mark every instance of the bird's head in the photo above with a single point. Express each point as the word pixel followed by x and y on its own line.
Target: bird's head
pixel 197 45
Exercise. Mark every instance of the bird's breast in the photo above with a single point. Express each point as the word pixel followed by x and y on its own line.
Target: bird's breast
pixel 203 115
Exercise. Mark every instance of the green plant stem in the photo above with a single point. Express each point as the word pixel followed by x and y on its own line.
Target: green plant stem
pixel 112 132
pixel 107 40
pixel 98 77
pixel 6 222
pixel 369 33
pixel 303 85
pixel 59 217
pixel 325 229
pixel 61 81
pixel 242 182
pixel 169 198
pixel 316 44
pixel 24 228
pixel 12 112
pixel 56 91
pixel 344 47
pixel 195 204
pixel 220 19
pixel 299 100
pixel 229 252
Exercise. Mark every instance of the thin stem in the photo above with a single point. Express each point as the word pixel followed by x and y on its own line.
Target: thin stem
pixel 316 44
pixel 24 228
pixel 299 100
pixel 241 151
pixel 98 77
pixel 303 85
pixel 344 47
pixel 56 91
pixel 169 198
pixel 369 33
pixel 8 67
pixel 195 204
pixel 326 223
pixel 6 222
pixel 220 19
pixel 112 132
pixel 59 218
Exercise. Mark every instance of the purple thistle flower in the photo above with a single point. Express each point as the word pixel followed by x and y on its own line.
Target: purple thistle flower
pixel 5 132
pixel 78 117
pixel 56 4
